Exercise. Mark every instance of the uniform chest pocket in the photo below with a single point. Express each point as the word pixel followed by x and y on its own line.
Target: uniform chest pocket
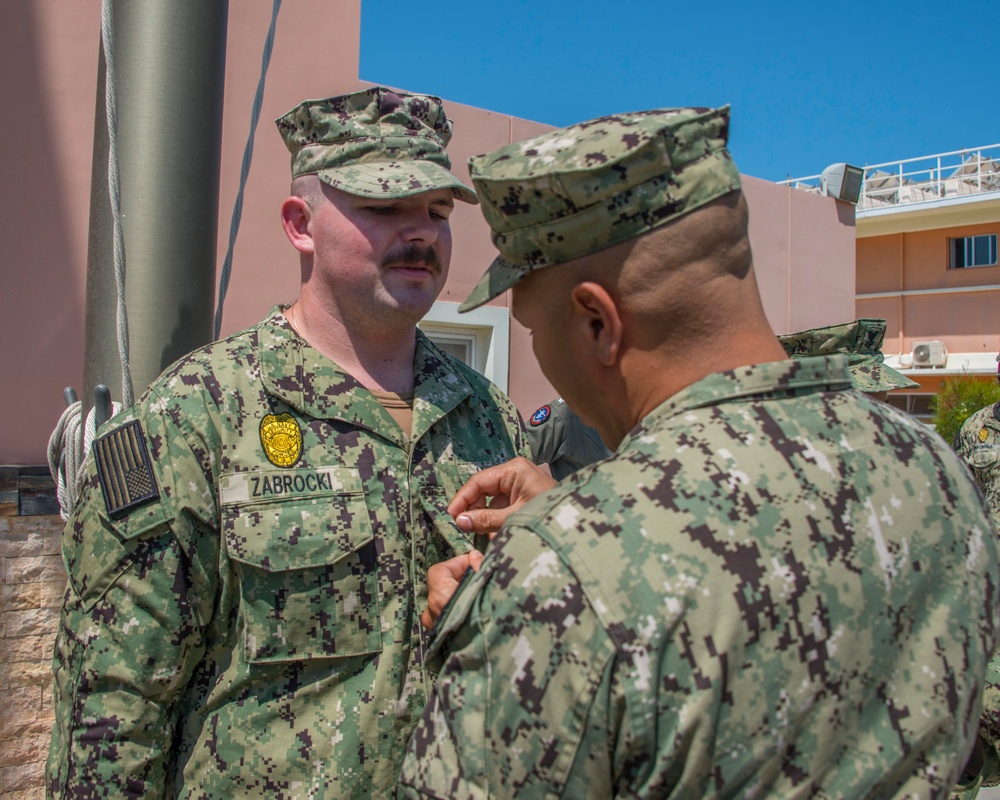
pixel 304 554
pixel 985 455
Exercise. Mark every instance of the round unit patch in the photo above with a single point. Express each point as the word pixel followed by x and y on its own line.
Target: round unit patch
pixel 281 438
pixel 540 416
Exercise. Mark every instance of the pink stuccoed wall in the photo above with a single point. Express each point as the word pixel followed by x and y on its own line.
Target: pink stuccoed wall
pixel 915 261
pixel 804 245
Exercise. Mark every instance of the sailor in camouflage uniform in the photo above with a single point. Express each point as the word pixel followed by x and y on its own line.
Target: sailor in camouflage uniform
pixel 978 445
pixel 861 341
pixel 776 587
pixel 248 558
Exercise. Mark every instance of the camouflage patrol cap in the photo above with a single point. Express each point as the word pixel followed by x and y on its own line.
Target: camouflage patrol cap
pixel 577 190
pixel 861 342
pixel 378 142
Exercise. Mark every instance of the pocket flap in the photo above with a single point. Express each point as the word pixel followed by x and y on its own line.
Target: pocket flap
pixel 289 519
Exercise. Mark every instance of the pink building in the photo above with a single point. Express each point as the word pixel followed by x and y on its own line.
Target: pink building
pixel 927 263
pixel 804 245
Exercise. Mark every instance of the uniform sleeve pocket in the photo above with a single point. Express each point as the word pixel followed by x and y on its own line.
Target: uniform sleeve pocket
pixel 304 555
pixel 97 550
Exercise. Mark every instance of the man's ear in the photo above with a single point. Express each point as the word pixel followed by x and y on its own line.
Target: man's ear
pixel 296 216
pixel 596 311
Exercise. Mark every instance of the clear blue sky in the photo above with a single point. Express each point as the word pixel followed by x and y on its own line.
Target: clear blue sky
pixel 810 83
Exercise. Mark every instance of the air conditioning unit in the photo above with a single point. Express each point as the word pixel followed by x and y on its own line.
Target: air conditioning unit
pixel 929 354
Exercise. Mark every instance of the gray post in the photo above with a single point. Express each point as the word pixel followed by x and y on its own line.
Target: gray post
pixel 170 59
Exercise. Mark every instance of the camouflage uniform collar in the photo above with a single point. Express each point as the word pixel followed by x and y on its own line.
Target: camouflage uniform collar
pixel 297 373
pixel 438 385
pixel 790 377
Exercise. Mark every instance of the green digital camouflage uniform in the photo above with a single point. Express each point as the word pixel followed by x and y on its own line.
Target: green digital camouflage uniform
pixel 861 341
pixel 248 560
pixel 252 631
pixel 776 587
pixel 978 445
pixel 559 438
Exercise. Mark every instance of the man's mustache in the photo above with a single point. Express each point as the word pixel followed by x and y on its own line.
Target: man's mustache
pixel 412 256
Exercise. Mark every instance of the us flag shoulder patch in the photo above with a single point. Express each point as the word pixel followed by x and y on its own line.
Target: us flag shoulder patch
pixel 123 466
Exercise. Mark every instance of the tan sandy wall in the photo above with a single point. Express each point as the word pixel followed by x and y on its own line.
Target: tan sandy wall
pixel 32 581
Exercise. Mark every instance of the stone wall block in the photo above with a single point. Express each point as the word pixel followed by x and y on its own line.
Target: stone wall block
pixel 31 622
pixel 36 569
pixel 30 536
pixel 30 673
pixel 25 794
pixel 15 752
pixel 32 585
pixel 51 593
pixel 23 777
pixel 29 648
pixel 22 703
pixel 19 597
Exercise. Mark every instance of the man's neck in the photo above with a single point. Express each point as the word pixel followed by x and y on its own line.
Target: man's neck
pixel 382 364
pixel 652 377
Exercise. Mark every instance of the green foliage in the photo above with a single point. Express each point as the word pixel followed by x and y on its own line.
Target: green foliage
pixel 960 397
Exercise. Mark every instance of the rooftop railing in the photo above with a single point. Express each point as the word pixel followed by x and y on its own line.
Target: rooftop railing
pixel 920 180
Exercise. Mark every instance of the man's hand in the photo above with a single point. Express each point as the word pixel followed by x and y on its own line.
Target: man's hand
pixel 490 496
pixel 442 581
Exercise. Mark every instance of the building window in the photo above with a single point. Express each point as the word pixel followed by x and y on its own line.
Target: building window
pixel 920 406
pixel 461 346
pixel 479 338
pixel 973 251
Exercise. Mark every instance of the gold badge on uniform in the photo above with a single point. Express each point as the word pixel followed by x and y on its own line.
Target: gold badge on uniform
pixel 984 434
pixel 282 439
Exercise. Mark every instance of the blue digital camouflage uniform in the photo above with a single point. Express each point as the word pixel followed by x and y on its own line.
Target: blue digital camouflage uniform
pixel 242 613
pixel 776 587
pixel 559 438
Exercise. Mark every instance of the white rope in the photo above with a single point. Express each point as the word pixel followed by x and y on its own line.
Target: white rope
pixel 234 224
pixel 67 454
pixel 114 193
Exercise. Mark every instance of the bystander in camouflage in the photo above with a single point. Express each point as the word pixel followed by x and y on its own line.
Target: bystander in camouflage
pixel 776 587
pixel 558 438
pixel 250 548
pixel 978 445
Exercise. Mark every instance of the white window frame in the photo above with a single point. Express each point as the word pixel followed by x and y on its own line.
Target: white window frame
pixel 486 329
pixel 967 244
